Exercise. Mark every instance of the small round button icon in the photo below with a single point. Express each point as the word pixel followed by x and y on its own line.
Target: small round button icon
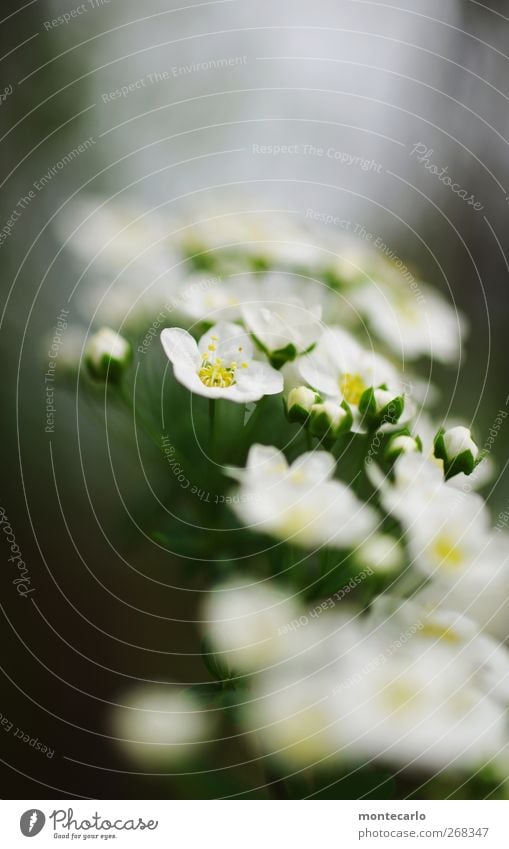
pixel 32 822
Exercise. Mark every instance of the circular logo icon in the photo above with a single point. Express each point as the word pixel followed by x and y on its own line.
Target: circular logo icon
pixel 32 822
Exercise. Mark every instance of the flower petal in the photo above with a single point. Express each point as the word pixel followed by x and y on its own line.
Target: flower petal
pixel 260 376
pixel 180 347
pixel 232 342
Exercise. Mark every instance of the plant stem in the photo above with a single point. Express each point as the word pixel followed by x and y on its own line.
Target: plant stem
pixel 212 428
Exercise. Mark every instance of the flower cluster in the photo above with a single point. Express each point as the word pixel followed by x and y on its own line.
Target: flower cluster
pixel 342 478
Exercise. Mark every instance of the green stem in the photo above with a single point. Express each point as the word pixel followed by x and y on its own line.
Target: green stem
pixel 212 428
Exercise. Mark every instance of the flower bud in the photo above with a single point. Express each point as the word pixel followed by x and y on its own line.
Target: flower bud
pixel 330 419
pixel 457 449
pixel 380 406
pixel 402 443
pixel 300 401
pixel 107 355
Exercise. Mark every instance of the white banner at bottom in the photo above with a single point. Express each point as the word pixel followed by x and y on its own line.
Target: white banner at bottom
pixel 255 824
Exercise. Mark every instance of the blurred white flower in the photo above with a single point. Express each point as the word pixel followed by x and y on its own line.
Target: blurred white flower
pixel 487 659
pixel 339 368
pixel 414 483
pixel 449 534
pixel 213 299
pixel 245 622
pixel 157 727
pixel 300 503
pixel 221 365
pixel 266 238
pixel 479 590
pixel 381 553
pixel 412 321
pixel 284 314
pixel 107 354
pixel 115 232
pixel 417 709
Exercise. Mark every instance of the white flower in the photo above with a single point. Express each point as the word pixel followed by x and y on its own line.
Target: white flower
pixel 300 503
pixel 339 368
pixel 157 727
pixel 425 623
pixel 221 365
pixel 107 354
pixel 414 708
pixel 415 482
pixel 449 534
pixel 245 622
pixel 212 299
pixel 284 315
pixel 253 238
pixel 480 589
pixel 381 553
pixel 114 233
pixel 412 319
pixel 293 718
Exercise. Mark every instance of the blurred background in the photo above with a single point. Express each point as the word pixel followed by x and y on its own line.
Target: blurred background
pixel 169 107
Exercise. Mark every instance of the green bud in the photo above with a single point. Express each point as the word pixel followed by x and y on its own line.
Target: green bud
pixel 402 443
pixel 330 419
pixel 107 355
pixel 380 407
pixel 457 449
pixel 299 403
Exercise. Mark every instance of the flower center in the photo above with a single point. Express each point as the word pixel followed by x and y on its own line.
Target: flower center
pixel 435 630
pixel 214 372
pixel 399 695
pixel 446 550
pixel 352 386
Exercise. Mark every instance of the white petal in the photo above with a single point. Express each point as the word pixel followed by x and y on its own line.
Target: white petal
pixel 180 347
pixel 316 465
pixel 265 458
pixel 230 338
pixel 261 376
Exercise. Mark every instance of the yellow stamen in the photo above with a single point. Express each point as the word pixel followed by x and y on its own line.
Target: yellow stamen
pixel 214 374
pixel 352 386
